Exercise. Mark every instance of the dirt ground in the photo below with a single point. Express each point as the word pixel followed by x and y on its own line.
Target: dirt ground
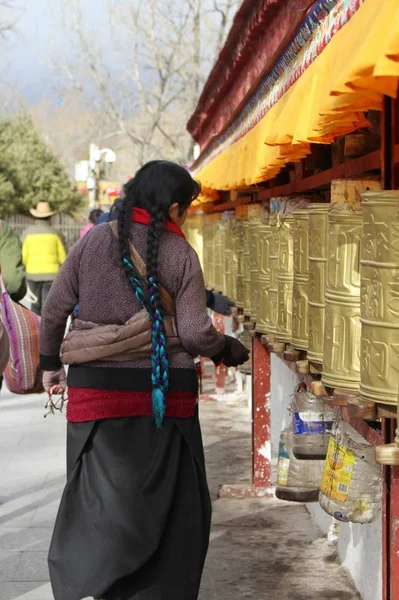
pixel 260 548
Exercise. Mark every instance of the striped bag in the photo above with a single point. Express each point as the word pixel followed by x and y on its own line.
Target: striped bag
pixel 22 374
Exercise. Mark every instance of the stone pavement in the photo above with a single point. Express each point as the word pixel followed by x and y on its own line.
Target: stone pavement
pixel 260 549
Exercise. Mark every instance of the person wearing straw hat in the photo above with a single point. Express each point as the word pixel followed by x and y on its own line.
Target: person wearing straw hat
pixel 43 253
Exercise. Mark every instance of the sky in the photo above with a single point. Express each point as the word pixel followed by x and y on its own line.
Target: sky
pixel 26 60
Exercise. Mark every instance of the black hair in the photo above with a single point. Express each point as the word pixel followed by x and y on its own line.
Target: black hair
pixel 95 214
pixel 155 188
pixel 115 209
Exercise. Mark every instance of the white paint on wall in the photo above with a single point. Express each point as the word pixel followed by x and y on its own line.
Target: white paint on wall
pixel 359 546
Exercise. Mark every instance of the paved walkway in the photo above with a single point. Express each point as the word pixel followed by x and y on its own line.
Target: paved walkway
pixel 260 549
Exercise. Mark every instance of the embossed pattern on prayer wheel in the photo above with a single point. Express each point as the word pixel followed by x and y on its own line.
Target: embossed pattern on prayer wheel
pixel 341 363
pixel 218 254
pixel 300 325
pixel 264 273
pixel 230 256
pixel 285 277
pixel 208 252
pixel 226 270
pixel 194 229
pixel 254 218
pixel 272 299
pixel 240 288
pixel 379 365
pixel 318 251
pixel 247 269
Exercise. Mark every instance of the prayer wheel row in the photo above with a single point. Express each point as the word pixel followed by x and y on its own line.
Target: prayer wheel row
pixel 323 277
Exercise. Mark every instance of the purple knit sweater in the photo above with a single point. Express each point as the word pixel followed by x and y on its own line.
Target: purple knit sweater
pixel 93 277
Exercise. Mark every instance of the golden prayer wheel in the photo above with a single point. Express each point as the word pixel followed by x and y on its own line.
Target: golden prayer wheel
pixel 241 216
pixel 194 230
pixel 379 367
pixel 285 276
pixel 318 242
pixel 208 252
pixel 341 364
pixel 254 219
pixel 264 273
pixel 230 255
pixel 247 269
pixel 226 272
pixel 300 330
pixel 218 254
pixel 272 297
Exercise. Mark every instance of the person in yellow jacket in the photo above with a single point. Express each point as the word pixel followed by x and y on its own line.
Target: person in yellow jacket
pixel 43 253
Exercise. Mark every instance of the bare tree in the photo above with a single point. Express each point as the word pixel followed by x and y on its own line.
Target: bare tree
pixel 146 84
pixel 225 9
pixel 70 127
pixel 10 13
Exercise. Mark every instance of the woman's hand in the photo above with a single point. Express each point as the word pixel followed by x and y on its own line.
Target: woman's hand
pixel 54 382
pixel 233 354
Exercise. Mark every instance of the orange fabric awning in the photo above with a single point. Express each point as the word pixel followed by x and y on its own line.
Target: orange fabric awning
pixel 354 71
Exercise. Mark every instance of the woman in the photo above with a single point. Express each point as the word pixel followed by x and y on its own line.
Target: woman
pixel 134 518
pixel 93 216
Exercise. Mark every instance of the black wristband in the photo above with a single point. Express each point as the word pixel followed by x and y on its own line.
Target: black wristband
pixel 217 359
pixel 50 363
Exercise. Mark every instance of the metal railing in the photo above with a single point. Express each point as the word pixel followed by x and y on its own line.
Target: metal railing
pixel 68 226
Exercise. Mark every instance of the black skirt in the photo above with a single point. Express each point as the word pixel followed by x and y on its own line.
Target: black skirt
pixel 134 518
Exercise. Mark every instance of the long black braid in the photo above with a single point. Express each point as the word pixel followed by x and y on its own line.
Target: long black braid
pixel 124 222
pixel 155 188
pixel 159 345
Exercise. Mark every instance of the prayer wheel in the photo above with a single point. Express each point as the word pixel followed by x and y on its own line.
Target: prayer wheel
pixel 218 277
pixel 230 255
pixel 300 329
pixel 341 364
pixel 241 217
pixel 208 252
pixel 318 241
pixel 226 274
pixel 379 366
pixel 272 297
pixel 285 276
pixel 194 230
pixel 254 219
pixel 247 269
pixel 264 273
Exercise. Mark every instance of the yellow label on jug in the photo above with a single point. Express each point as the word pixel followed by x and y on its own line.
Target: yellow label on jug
pixel 283 465
pixel 338 471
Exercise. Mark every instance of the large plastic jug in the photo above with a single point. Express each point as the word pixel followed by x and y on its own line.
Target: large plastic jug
pixel 312 421
pixel 298 480
pixel 351 484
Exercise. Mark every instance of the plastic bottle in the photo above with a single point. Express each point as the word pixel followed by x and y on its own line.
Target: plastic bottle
pixel 312 421
pixel 298 480
pixel 351 484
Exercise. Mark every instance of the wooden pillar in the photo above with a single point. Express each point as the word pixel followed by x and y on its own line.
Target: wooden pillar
pixel 261 431
pixel 261 422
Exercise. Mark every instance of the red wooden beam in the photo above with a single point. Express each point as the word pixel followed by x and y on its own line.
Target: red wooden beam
pixel 352 168
pixel 390 500
pixel 372 436
pixel 386 513
pixel 355 167
pixel 213 207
